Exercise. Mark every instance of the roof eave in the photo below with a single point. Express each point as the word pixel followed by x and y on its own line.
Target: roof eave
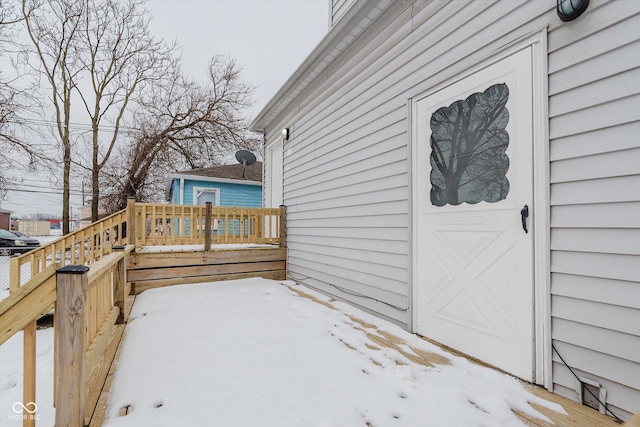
pixel 336 40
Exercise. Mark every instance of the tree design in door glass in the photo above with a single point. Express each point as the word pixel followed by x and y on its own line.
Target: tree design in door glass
pixel 469 141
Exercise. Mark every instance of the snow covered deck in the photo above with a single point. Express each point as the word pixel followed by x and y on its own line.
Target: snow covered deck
pixel 272 353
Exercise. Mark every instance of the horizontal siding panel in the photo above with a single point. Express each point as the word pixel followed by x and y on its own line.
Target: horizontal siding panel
pixel 370 178
pixel 384 288
pixel 620 34
pixel 373 220
pixel 604 215
pixel 610 266
pixel 618 395
pixel 384 182
pixel 381 124
pixel 396 247
pixel 601 116
pixel 393 162
pixel 619 189
pixel 600 92
pixel 347 156
pixel 613 343
pixel 616 61
pixel 338 9
pixel 353 138
pixel 340 288
pixel 349 212
pixel 381 277
pixel 595 289
pixel 621 371
pixel 616 318
pixel 352 116
pixel 387 201
pixel 338 234
pixel 608 241
pixel 384 264
pixel 618 163
pixel 600 141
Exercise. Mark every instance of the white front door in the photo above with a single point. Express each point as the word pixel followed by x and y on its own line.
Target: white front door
pixel 473 176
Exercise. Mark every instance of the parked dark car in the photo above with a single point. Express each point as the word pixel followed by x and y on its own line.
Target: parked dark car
pixel 11 243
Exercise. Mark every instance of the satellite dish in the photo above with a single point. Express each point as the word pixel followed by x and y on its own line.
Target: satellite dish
pixel 246 158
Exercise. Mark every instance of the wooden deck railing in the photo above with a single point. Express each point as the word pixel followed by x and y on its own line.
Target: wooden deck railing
pixel 84 246
pixel 153 224
pixel 186 224
pixel 93 304
pixel 83 275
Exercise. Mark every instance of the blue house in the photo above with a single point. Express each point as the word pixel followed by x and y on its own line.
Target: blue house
pixel 228 185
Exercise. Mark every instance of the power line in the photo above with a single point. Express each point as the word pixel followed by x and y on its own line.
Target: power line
pixel 59 192
pixel 77 126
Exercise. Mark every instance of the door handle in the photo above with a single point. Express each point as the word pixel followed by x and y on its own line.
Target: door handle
pixel 524 214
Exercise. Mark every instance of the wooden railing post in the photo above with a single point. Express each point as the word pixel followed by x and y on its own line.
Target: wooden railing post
pixel 70 322
pixel 120 286
pixel 207 227
pixel 283 226
pixel 29 376
pixel 131 221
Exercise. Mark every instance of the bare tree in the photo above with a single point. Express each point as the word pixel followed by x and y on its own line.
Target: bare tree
pixel 15 102
pixel 121 58
pixel 183 125
pixel 53 28
pixel 101 54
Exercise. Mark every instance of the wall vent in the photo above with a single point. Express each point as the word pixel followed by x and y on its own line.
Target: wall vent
pixel 588 390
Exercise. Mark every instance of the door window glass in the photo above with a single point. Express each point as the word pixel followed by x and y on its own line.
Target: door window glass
pixel 469 141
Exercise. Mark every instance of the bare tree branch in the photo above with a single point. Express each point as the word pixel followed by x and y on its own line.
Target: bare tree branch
pixel 183 125
pixel 16 103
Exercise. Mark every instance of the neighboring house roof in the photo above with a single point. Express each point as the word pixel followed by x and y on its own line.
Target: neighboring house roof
pixel 253 172
pixel 227 173
pixel 5 211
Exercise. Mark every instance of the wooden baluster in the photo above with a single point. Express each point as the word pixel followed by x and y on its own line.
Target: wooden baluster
pixel 207 227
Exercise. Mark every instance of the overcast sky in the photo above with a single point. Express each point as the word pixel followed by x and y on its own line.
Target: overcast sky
pixel 268 38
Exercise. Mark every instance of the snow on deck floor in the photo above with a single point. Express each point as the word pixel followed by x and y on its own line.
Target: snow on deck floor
pixel 252 352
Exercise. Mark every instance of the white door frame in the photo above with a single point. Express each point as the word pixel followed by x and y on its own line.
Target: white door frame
pixel 276 147
pixel 540 211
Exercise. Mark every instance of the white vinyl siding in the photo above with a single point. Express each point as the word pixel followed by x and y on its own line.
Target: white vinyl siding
pixel 347 168
pixel 594 85
pixel 337 8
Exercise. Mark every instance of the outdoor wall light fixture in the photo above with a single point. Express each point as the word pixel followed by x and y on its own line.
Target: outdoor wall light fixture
pixel 285 134
pixel 568 10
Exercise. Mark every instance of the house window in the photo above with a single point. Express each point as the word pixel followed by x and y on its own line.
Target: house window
pixel 469 141
pixel 202 195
